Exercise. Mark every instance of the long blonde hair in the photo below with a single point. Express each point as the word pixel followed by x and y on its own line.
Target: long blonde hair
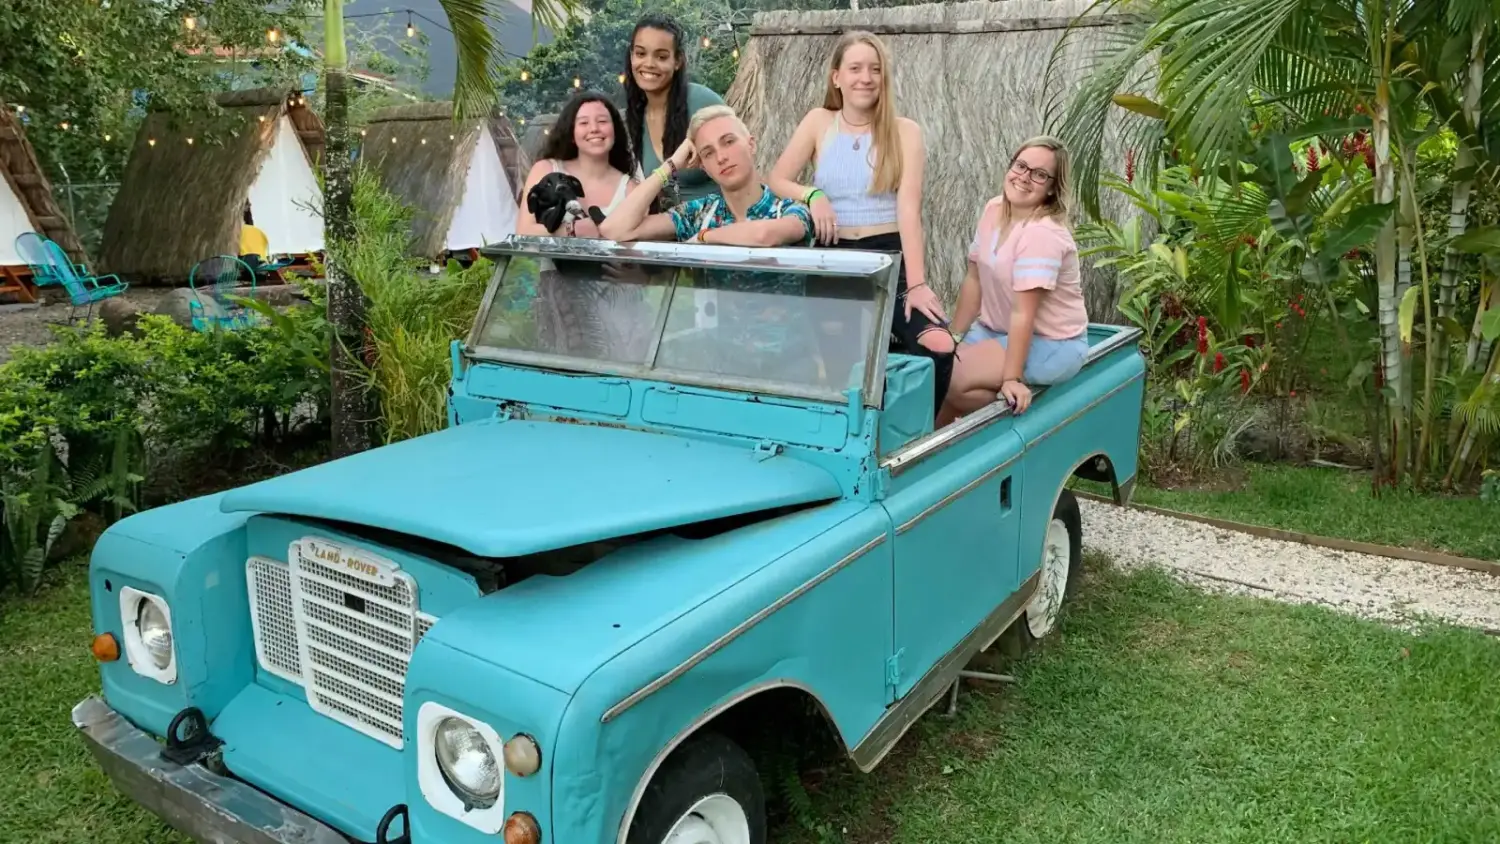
pixel 1059 199
pixel 884 129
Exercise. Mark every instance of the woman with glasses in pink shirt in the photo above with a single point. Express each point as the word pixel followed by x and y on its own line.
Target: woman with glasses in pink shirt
pixel 1020 311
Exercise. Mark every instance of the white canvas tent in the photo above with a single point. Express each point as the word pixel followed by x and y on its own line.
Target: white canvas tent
pixel 487 212
pixel 14 221
pixel 452 175
pixel 285 199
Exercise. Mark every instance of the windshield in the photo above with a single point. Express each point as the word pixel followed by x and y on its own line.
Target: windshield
pixel 769 325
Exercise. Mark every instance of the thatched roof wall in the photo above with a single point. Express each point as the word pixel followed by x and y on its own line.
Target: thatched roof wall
pixel 23 172
pixel 422 157
pixel 970 74
pixel 536 134
pixel 182 196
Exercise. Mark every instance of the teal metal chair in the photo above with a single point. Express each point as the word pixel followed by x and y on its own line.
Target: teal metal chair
pixel 32 248
pixel 217 278
pixel 50 265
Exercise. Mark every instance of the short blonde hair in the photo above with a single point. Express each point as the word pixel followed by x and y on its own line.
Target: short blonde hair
pixel 714 112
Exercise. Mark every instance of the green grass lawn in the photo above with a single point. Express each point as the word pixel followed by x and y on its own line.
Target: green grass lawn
pixel 1338 503
pixel 1162 715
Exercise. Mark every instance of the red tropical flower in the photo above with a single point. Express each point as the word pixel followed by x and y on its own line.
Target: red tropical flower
pixel 1244 380
pixel 1202 335
pixel 1219 362
pixel 1130 165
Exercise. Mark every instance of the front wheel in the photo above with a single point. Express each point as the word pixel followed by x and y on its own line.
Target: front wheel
pixel 707 792
pixel 1062 560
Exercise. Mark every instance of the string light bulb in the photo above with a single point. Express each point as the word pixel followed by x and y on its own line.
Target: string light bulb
pixel 190 23
pixel 273 35
pixel 361 133
pixel 622 79
pixel 64 125
pixel 393 139
pixel 106 137
pixel 735 52
pixel 707 42
pixel 151 141
pixel 190 141
pixel 525 75
pixel 452 137
pixel 20 109
pixel 424 140
pixel 577 83
pixel 411 29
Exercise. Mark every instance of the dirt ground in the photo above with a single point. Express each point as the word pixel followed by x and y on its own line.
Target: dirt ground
pixel 28 327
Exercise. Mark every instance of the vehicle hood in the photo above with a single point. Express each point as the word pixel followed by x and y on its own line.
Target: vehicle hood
pixel 504 489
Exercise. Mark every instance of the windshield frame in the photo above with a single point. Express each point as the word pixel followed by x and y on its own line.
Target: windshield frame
pixel 880 268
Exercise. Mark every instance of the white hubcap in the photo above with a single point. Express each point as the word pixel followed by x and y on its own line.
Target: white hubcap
pixel 1041 613
pixel 715 819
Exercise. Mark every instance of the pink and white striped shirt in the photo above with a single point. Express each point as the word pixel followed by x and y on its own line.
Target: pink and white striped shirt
pixel 1038 254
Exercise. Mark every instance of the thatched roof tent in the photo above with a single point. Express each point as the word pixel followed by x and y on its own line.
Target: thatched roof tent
pixel 26 201
pixel 182 197
pixel 451 174
pixel 971 74
pixel 513 157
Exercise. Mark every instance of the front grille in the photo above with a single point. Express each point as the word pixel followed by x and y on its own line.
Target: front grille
pixel 343 632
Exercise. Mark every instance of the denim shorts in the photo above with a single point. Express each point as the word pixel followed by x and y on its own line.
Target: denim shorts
pixel 1048 361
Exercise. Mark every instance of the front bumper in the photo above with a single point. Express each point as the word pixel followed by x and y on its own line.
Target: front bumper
pixel 196 801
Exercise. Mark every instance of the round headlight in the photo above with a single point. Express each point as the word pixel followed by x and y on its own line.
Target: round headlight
pixel 467 763
pixel 156 633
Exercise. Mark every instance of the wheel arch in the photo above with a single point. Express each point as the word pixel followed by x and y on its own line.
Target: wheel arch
pixel 1100 468
pixel 783 701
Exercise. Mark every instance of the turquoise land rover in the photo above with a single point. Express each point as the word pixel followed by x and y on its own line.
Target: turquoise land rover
pixel 683 488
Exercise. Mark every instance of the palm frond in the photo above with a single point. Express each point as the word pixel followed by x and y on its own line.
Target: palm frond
pixel 476 46
pixel 1111 60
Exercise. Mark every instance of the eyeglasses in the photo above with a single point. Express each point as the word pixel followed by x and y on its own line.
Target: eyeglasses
pixel 1021 168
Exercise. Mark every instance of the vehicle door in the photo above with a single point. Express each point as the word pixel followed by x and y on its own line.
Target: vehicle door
pixel 956 515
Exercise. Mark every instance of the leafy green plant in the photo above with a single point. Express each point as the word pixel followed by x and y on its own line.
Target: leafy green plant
pixel 412 316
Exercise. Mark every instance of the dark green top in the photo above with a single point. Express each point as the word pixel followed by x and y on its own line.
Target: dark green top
pixel 694 183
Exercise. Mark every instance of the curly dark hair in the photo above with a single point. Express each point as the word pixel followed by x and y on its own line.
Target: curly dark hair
pixel 561 145
pixel 677 94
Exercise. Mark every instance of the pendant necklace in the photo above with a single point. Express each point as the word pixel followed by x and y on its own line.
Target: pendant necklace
pixel 858 139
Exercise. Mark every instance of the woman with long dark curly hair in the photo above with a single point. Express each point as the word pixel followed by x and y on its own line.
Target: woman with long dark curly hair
pixel 589 141
pixel 660 101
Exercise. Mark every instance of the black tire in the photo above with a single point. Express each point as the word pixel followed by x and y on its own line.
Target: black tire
pixel 704 765
pixel 1066 511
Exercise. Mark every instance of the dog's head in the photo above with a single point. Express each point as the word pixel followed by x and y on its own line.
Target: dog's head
pixel 548 199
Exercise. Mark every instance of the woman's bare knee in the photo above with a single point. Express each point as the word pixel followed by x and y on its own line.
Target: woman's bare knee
pixel 937 340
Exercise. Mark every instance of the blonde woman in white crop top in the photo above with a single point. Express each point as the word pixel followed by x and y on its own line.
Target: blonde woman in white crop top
pixel 868 165
pixel 588 141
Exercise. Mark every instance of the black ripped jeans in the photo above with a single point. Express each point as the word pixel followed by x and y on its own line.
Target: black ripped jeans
pixel 904 332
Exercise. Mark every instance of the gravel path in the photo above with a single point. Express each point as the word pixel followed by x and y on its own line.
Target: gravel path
pixel 1393 591
pixel 29 327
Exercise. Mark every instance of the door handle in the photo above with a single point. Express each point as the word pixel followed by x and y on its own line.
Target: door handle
pixel 1005 498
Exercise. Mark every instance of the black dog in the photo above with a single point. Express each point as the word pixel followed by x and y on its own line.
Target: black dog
pixel 558 199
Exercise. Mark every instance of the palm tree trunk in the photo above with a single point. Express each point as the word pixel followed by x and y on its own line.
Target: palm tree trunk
pixel 349 401
pixel 1387 298
pixel 1463 164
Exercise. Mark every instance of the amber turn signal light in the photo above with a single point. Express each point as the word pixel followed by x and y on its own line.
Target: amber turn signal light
pixel 105 648
pixel 521 828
